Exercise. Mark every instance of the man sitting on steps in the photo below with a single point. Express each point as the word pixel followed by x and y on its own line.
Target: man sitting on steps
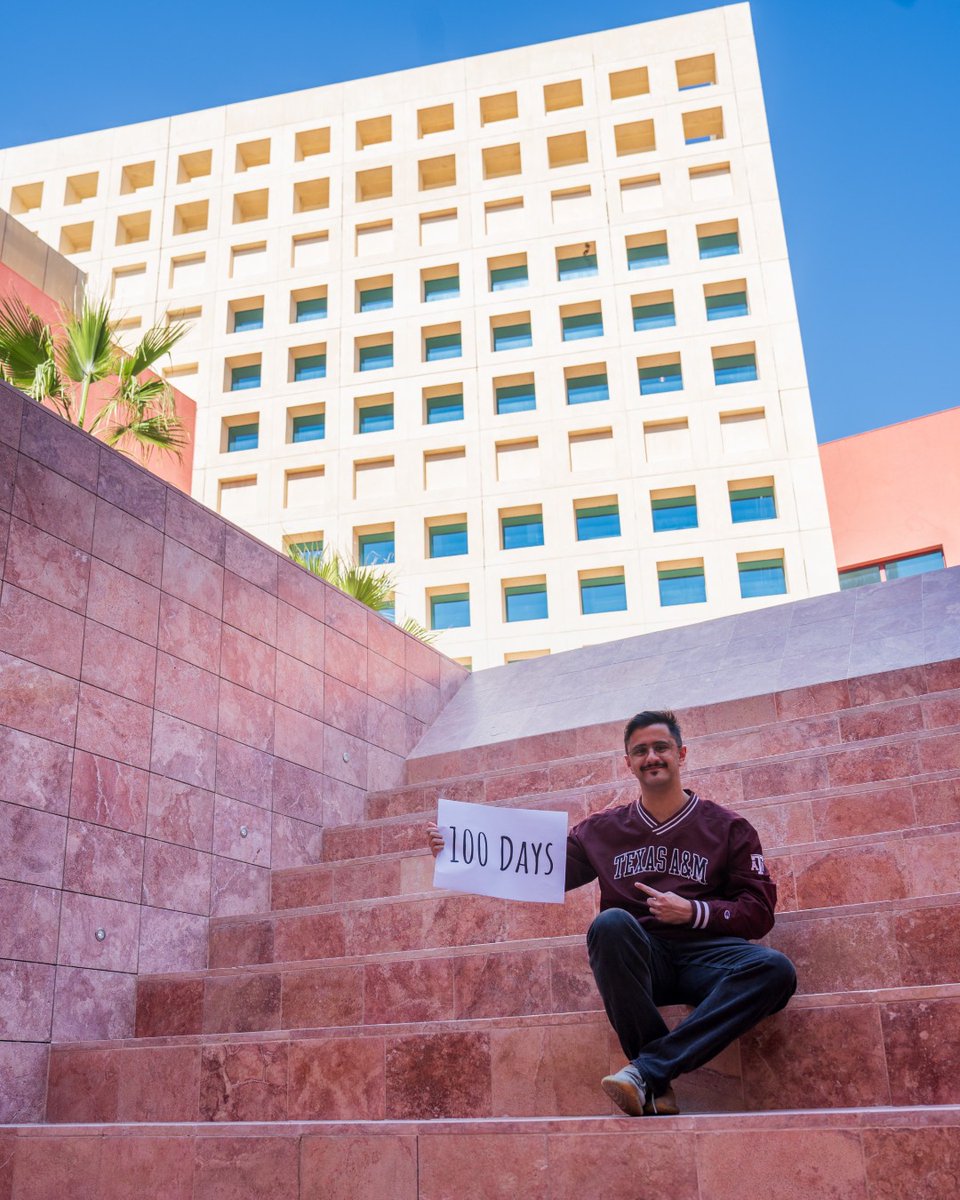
pixel 683 885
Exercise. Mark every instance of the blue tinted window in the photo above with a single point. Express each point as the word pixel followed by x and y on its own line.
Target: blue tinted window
pixel 450 612
pixel 525 530
pixel 736 368
pixel 444 408
pixel 518 398
pixel 600 521
pixel 607 594
pixel 731 304
pixel 859 576
pixel 526 603
pixel 585 325
pixel 376 298
pixel 762 578
pixel 446 345
pixel 376 548
pixel 683 586
pixel 311 310
pixel 448 540
pixel 309 428
pixel 512 337
pixel 665 378
pixel 248 318
pixel 716 245
pixel 653 316
pixel 654 255
pixel 375 418
pixel 915 564
pixel 243 437
pixel 586 388
pixel 372 358
pixel 309 366
pixel 675 512
pixel 447 288
pixel 752 504
pixel 311 551
pixel 582 266
pixel 242 378
pixel 503 278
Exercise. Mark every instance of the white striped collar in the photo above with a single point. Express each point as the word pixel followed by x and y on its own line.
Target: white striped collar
pixel 674 821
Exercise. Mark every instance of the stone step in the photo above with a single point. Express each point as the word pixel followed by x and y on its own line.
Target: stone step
pixel 867 1048
pixel 884 944
pixel 883 866
pixel 850 1154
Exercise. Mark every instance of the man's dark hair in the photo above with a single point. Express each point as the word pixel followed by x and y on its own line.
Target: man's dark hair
pixel 652 716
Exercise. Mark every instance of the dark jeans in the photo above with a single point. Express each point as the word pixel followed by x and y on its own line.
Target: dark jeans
pixel 731 983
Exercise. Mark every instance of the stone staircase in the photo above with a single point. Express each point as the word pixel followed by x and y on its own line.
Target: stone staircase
pixel 371 1037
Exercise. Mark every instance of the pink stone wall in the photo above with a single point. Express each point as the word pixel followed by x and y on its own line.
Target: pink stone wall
pixel 166 682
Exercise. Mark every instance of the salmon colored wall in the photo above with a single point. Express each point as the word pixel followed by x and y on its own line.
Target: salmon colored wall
pixel 167 467
pixel 896 490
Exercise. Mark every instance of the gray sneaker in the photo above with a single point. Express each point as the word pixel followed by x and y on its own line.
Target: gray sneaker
pixel 630 1091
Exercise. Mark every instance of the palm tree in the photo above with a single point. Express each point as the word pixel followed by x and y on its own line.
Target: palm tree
pixel 372 586
pixel 61 363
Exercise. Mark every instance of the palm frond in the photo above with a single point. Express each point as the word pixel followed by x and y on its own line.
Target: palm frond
pixel 147 433
pixel 86 352
pixel 155 344
pixel 26 351
pixel 412 626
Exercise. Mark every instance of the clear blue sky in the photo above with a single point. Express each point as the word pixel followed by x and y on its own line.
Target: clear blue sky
pixel 861 99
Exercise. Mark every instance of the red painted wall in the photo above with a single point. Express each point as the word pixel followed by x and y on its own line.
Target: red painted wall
pixel 895 491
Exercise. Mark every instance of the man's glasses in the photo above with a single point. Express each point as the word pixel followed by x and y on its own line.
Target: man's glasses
pixel 659 748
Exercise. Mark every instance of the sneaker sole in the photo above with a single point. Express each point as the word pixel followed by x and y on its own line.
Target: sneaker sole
pixel 624 1095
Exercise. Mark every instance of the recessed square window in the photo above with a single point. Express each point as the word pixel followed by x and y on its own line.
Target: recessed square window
pixel 521 528
pixel 514 393
pixel 503 218
pixel 641 193
pixel 711 182
pixel 591 449
pixel 309 250
pixel 761 574
pixel 375 238
pixel 310 142
pixel 655 310
pixel 525 600
pixel 597 518
pixel 129 283
pixel 376 546
pixel 706 125
pixel 735 364
pixel 304 545
pixel 308 304
pixel 447 537
pixel 744 430
pixel 136 176
pixel 512 331
pixel 579 321
pixel 440 283
pixel 443 470
pixel 502 107
pixel 375 479
pixel 375 184
pixel 307 424
pixel 752 500
pixel 375 414
pixel 239 499
pixel 76 239
pixel 567 149
pixel 568 94
pixel 251 206
pixel 81 187
pixel 438 228
pixel 681 582
pixel 647 250
pixel 700 71
pixel 659 373
pixel 436 119
pixel 374 131
pixel 602 592
pixel 499 161
pixel 245 315
pixel 518 461
pixel 442 404
pixel 634 81
pixel 437 172
pixel 374 353
pixel 187 273
pixel 248 262
pixel 715 239
pixel 133 227
pixel 374 294
pixel 673 509
pixel 442 342
pixel 195 165
pixel 572 206
pixel 508 271
pixel 577 262
pixel 243 373
pixel 192 217
pixel 308 363
pixel 240 432
pixel 311 194
pixel 667 441
pixel 449 609
pixel 724 300
pixel 634 137
pixel 25 198
pixel 586 384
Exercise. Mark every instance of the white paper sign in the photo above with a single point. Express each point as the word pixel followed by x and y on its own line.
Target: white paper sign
pixel 513 853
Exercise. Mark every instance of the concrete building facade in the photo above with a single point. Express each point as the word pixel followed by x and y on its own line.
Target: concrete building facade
pixel 522 323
